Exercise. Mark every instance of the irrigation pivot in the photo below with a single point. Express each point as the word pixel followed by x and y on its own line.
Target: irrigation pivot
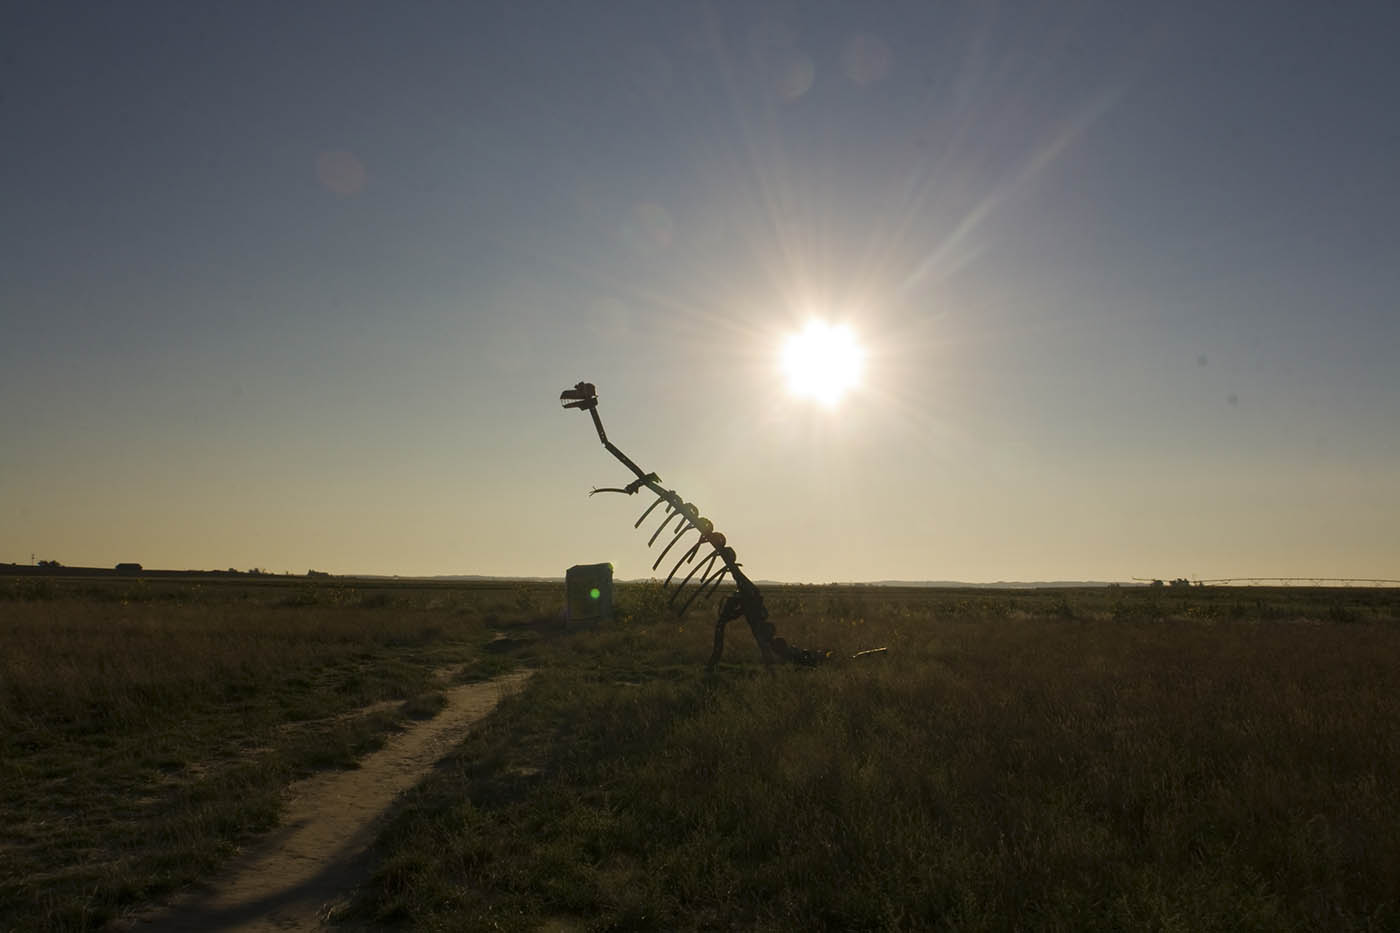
pixel 706 573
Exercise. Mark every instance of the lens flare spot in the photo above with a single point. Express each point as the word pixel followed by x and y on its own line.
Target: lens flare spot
pixel 866 60
pixel 594 593
pixel 341 173
pixel 648 228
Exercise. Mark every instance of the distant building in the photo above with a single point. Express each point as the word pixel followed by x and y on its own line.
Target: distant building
pixel 589 589
pixel 128 568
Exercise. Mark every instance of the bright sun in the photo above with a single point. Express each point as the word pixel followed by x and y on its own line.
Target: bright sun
pixel 823 362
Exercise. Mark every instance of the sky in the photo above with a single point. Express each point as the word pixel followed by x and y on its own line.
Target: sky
pixel 296 285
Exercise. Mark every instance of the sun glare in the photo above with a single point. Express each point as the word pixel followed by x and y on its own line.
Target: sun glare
pixel 823 362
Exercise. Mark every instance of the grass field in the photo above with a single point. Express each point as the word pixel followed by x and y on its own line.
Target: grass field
pixel 1106 759
pixel 146 728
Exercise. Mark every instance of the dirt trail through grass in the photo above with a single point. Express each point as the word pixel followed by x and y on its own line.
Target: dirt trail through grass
pixel 297 875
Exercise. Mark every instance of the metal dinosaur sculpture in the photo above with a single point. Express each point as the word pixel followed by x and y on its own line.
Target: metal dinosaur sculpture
pixel 709 571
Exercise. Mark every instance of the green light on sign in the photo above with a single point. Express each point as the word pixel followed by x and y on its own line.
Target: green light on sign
pixel 593 593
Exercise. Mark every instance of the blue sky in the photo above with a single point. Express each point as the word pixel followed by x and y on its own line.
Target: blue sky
pixel 297 285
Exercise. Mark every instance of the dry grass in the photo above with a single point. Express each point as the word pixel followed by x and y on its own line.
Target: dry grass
pixel 1133 759
pixel 1017 761
pixel 144 730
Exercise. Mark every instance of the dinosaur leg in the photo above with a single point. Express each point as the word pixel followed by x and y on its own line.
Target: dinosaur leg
pixel 763 633
pixel 719 642
pixel 729 610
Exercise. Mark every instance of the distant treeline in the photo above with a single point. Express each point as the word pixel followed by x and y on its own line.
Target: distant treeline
pixel 52 568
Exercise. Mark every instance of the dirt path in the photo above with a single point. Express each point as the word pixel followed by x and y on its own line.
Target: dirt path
pixel 292 878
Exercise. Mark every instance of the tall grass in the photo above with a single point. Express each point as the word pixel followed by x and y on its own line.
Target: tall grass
pixel 1017 761
pixel 1202 759
pixel 144 730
